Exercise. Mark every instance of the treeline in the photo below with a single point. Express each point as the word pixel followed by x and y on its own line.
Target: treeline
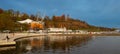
pixel 9 18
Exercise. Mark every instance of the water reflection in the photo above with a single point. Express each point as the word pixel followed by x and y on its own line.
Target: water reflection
pixel 49 44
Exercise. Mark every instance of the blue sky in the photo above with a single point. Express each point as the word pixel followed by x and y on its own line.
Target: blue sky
pixel 104 13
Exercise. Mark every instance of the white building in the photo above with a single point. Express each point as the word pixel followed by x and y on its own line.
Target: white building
pixel 117 30
pixel 56 29
pixel 26 21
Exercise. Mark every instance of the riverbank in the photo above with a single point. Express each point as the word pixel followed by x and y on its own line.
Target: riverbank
pixel 113 34
pixel 12 37
pixel 6 43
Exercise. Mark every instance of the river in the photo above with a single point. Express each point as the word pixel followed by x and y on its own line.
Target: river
pixel 66 45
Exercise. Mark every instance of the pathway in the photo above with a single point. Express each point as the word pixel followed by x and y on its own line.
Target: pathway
pixel 10 41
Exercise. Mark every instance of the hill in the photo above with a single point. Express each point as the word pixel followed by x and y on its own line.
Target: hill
pixel 9 18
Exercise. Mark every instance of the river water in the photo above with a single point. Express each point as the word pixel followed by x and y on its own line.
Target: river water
pixel 66 45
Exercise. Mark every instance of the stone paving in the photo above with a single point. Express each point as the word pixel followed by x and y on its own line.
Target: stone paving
pixel 12 36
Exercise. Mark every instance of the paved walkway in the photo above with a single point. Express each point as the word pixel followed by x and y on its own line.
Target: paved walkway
pixel 12 36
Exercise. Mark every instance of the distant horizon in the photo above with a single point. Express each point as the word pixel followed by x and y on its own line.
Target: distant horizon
pixel 104 13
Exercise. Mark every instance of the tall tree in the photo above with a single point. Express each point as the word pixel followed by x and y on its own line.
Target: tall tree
pixel 6 23
pixel 1 10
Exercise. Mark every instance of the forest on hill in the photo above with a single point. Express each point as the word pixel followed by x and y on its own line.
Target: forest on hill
pixel 9 18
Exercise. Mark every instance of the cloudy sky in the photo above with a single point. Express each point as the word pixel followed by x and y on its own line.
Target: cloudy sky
pixel 104 13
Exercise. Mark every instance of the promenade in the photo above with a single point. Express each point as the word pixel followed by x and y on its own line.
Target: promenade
pixel 12 36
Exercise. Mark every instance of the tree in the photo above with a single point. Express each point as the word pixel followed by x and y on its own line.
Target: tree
pixel 6 23
pixel 32 17
pixel 24 16
pixel 47 18
pixel 1 10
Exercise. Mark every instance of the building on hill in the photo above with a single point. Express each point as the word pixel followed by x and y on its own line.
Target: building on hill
pixel 26 21
pixel 33 24
pixel 36 24
pixel 118 30
pixel 57 29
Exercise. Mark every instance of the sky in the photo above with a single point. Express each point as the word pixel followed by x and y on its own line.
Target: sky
pixel 105 13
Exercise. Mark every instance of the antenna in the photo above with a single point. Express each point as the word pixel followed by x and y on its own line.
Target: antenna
pixel 38 15
pixel 43 17
pixel 66 18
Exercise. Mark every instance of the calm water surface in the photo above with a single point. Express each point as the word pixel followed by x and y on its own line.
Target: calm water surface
pixel 66 45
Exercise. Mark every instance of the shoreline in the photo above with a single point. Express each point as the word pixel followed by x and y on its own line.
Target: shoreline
pixel 5 47
pixel 118 34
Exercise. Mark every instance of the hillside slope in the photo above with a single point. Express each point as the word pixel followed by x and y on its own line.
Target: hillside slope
pixel 9 18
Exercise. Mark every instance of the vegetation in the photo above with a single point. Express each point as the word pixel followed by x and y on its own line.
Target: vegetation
pixel 9 18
